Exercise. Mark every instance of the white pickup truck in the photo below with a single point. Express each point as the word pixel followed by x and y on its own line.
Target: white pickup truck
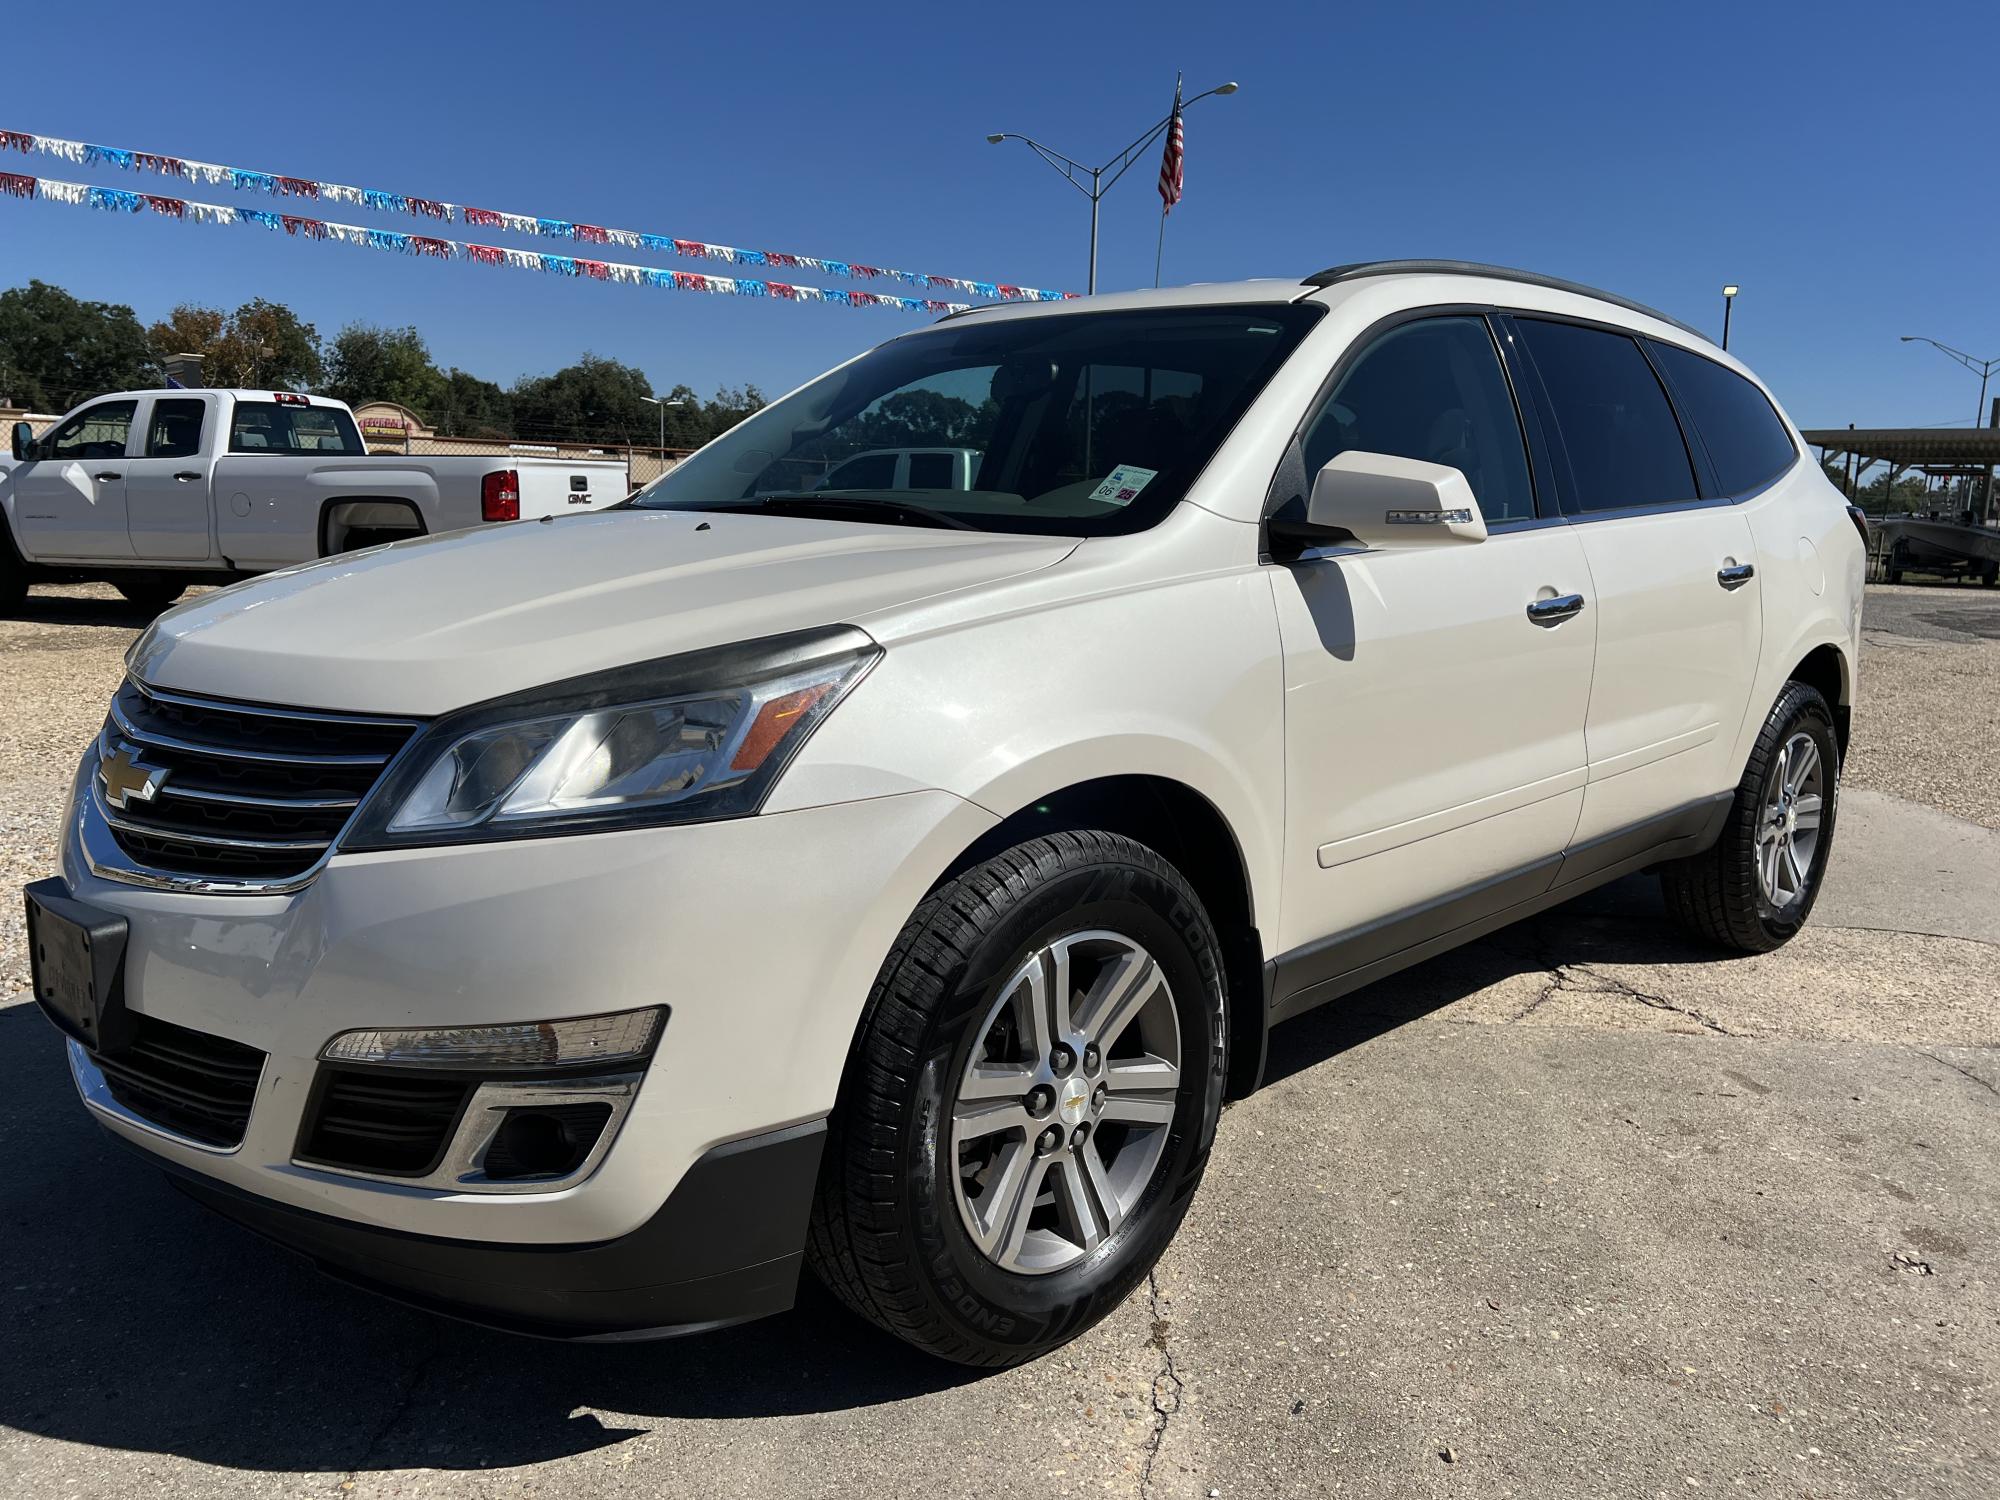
pixel 154 490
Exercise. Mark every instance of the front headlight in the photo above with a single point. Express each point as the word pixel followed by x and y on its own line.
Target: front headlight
pixel 685 739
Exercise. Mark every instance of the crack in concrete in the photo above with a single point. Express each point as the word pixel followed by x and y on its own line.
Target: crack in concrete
pixel 1168 1388
pixel 1563 979
pixel 1962 1072
pixel 1950 937
pixel 398 1410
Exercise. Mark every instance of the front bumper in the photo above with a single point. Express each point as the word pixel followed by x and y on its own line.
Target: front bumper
pixel 761 935
pixel 724 1248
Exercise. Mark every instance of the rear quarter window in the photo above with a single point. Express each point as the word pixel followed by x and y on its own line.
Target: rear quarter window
pixel 1745 438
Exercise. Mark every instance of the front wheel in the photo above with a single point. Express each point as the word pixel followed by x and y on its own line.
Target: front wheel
pixel 1754 889
pixel 1030 1101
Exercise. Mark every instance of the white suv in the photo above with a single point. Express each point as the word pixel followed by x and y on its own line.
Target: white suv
pixel 579 925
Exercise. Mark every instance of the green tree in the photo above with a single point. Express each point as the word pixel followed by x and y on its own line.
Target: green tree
pixel 57 351
pixel 595 401
pixel 260 344
pixel 467 406
pixel 728 408
pixel 384 364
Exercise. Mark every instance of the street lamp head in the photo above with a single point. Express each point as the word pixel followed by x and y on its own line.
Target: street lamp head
pixel 1227 88
pixel 1730 291
pixel 994 140
pixel 1910 338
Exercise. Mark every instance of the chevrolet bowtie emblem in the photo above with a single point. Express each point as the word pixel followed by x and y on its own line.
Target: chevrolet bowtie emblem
pixel 127 779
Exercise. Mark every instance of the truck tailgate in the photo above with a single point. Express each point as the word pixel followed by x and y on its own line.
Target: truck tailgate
pixel 562 486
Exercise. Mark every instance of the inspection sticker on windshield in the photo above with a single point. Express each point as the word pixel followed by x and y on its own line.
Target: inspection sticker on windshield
pixel 1124 483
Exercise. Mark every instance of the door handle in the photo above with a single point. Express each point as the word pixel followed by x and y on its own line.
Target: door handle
pixel 187 476
pixel 1735 576
pixel 1555 611
pixel 106 474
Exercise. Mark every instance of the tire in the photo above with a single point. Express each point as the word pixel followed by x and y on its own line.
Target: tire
pixel 152 592
pixel 1722 895
pixel 895 1217
pixel 13 577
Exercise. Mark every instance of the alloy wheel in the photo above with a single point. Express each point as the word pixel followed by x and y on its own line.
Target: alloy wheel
pixel 1063 1109
pixel 1789 825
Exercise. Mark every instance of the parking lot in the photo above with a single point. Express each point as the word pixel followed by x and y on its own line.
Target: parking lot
pixel 1580 1210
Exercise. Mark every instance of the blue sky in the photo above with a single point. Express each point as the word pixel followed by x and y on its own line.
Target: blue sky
pixel 1835 161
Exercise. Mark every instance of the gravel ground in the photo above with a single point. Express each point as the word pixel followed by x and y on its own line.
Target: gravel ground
pixel 1930 698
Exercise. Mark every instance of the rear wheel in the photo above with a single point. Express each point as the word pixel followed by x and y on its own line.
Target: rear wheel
pixel 151 591
pixel 1754 889
pixel 1030 1101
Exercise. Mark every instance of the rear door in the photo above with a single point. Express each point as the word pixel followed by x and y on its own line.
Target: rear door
pixel 167 480
pixel 70 503
pixel 1673 573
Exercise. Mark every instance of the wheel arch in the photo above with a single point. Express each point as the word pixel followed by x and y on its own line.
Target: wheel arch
pixel 1185 827
pixel 333 513
pixel 1825 668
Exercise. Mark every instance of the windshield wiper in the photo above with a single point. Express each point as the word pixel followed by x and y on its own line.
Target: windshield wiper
pixel 823 500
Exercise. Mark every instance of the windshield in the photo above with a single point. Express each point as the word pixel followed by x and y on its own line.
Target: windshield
pixel 1076 424
pixel 266 427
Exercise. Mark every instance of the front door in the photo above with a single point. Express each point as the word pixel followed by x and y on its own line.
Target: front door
pixel 1433 729
pixel 70 501
pixel 1679 615
pixel 166 484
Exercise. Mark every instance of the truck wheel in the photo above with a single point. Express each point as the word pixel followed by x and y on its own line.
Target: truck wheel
pixel 13 577
pixel 152 592
pixel 1754 889
pixel 1029 1103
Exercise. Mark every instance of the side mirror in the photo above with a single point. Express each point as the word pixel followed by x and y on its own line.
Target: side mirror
pixel 1385 502
pixel 24 442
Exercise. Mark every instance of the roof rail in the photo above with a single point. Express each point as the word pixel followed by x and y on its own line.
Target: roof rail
pixel 1333 275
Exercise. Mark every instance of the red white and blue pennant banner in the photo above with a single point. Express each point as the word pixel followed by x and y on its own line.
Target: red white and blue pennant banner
pixel 210 174
pixel 116 200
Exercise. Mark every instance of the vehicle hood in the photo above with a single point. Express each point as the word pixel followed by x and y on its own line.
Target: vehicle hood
pixel 439 622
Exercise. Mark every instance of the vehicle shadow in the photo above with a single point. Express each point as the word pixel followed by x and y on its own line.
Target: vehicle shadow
pixel 43 608
pixel 137 1321
pixel 1624 922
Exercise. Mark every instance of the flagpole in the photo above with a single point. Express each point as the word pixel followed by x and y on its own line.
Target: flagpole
pixel 1160 249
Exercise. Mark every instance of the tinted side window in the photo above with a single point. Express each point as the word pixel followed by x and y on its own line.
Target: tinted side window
pixel 931 471
pixel 1620 433
pixel 174 430
pixel 1432 390
pixel 1745 439
pixel 95 432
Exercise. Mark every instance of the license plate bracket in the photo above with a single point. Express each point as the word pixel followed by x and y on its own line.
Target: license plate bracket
pixel 76 956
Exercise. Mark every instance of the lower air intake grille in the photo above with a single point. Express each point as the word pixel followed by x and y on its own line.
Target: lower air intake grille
pixel 382 1122
pixel 188 1082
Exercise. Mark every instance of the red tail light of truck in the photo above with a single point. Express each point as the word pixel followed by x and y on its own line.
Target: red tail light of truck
pixel 500 496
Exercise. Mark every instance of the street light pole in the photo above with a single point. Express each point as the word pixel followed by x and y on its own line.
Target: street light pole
pixel 663 402
pixel 1984 369
pixel 1074 171
pixel 1728 301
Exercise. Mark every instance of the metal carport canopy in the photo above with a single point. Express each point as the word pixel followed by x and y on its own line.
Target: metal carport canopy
pixel 1911 445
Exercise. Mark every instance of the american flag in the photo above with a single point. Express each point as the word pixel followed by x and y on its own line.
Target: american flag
pixel 1172 164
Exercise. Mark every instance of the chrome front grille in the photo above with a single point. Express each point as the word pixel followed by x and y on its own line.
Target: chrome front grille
pixel 232 795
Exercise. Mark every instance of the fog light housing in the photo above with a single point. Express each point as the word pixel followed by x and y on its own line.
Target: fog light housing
pixel 588 1041
pixel 544 1141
